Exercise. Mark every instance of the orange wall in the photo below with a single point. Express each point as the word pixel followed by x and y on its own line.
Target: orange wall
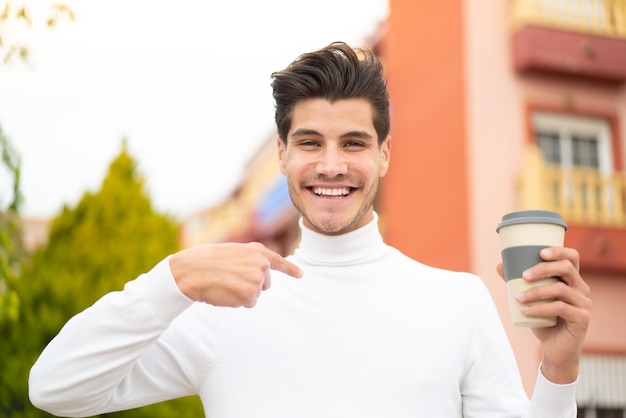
pixel 424 198
pixel 607 331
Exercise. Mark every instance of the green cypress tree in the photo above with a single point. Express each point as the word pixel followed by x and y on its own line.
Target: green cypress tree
pixel 11 249
pixel 109 238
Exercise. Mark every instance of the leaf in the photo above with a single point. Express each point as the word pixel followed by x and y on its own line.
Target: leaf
pixel 24 15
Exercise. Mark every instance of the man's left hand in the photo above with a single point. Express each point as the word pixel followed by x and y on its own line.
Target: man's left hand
pixel 562 343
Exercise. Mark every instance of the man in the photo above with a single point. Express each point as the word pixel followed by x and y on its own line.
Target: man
pixel 358 330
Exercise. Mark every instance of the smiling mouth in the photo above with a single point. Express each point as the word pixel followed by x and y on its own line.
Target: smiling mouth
pixel 331 192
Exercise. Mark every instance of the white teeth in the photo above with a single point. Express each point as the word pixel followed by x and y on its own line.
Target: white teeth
pixel 320 191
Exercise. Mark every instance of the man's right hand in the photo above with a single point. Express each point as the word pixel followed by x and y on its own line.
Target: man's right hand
pixel 230 274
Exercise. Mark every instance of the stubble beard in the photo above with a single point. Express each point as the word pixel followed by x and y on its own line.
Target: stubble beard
pixel 329 223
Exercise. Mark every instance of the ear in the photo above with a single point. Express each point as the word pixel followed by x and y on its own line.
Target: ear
pixel 385 156
pixel 280 145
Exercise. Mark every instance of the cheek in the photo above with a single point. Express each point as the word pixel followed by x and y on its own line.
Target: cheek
pixel 288 165
pixel 294 166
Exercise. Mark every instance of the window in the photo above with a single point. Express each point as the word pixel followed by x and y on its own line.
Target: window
pixel 579 154
pixel 572 141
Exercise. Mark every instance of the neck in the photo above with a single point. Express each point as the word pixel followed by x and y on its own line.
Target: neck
pixel 346 249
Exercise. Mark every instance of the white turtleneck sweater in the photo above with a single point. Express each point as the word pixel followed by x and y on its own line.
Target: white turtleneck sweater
pixel 367 332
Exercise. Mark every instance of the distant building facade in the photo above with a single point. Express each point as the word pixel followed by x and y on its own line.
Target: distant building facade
pixel 258 210
pixel 508 105
pixel 35 232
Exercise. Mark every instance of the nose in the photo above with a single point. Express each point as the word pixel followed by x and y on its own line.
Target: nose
pixel 332 162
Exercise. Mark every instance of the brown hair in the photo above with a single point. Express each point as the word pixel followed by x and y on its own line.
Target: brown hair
pixel 334 72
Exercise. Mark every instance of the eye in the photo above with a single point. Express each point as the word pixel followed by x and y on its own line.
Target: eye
pixel 308 144
pixel 354 144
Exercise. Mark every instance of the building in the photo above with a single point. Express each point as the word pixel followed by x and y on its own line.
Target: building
pixel 509 105
pixel 34 232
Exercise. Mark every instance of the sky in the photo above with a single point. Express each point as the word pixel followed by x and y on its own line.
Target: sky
pixel 186 83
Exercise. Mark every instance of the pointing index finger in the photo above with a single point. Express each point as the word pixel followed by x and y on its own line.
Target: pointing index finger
pixel 278 262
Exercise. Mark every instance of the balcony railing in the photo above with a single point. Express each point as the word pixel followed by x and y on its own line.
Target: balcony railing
pixel 582 196
pixel 604 17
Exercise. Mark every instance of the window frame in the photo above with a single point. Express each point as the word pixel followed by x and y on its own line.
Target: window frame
pixel 569 125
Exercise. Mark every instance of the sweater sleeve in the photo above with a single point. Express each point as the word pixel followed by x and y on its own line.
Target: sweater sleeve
pixel 107 357
pixel 550 400
pixel 493 386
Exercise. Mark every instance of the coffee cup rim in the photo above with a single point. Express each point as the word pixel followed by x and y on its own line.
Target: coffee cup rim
pixel 531 216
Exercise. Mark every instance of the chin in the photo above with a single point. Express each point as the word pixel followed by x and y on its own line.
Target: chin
pixel 333 226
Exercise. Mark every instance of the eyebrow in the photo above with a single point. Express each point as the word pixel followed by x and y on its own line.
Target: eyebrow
pixel 357 134
pixel 305 132
pixel 313 132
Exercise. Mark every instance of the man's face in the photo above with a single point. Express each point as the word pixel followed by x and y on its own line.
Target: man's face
pixel 333 163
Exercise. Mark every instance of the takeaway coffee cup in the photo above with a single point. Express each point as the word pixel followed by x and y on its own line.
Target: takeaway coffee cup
pixel 522 236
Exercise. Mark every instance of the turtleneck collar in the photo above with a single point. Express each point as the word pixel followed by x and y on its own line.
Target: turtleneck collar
pixel 361 245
